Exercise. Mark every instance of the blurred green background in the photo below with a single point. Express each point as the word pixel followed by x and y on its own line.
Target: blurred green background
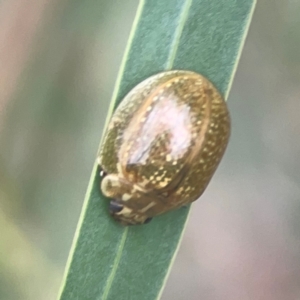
pixel 58 64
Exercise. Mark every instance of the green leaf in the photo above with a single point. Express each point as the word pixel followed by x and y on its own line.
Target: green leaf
pixel 108 261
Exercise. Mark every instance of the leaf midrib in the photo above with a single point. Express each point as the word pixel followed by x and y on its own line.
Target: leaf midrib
pixel 113 272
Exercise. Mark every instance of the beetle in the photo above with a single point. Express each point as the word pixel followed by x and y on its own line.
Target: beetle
pixel 162 145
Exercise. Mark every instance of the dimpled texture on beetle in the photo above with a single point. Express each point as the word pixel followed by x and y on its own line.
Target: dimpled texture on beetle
pixel 162 145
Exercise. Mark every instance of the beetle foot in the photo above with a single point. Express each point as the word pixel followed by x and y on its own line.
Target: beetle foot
pixel 115 207
pixel 102 173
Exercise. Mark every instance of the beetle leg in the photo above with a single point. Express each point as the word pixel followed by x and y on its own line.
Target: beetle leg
pixel 102 173
pixel 148 220
pixel 115 207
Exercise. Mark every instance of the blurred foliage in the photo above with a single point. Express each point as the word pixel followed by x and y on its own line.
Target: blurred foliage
pixel 25 272
pixel 290 41
pixel 51 124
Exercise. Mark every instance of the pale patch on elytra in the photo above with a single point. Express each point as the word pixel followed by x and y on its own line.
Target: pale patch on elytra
pixel 164 183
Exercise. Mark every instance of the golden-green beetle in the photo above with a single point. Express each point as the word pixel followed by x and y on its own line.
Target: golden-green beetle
pixel 162 145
